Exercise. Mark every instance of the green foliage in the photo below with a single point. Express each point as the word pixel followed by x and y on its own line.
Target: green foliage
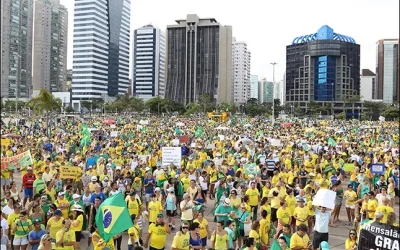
pixel 206 103
pixel 226 107
pixel 391 112
pixel 159 105
pixel 341 116
pixel 69 109
pixel 9 105
pixel 45 101
pixel 373 109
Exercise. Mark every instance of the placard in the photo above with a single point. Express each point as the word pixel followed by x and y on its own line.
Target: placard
pixel 114 133
pixel 17 161
pixel 378 236
pixel 325 198
pixel 377 168
pixel 69 172
pixel 349 167
pixel 171 155
pixel 276 142
pixel 184 139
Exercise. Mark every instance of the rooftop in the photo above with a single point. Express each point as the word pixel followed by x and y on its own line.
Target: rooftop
pixel 324 33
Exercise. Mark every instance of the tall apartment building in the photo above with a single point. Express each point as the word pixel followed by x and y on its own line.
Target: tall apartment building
pixel 278 91
pixel 16 48
pixel 241 58
pixel 265 91
pixel 148 62
pixel 368 87
pixel 101 49
pixel 199 60
pixel 254 86
pixel 50 46
pixel 387 70
pixel 322 67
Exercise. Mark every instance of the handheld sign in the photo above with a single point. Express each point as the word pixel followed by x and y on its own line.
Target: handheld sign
pixel 379 236
pixel 325 198
pixel 377 168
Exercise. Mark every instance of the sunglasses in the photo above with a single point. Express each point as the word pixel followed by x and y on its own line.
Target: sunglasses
pixel 185 228
pixel 232 193
pixel 352 234
pixel 243 207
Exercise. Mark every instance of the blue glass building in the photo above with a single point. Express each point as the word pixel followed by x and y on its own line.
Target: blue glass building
pixel 322 67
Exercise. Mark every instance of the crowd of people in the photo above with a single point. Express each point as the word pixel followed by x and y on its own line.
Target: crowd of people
pixel 258 179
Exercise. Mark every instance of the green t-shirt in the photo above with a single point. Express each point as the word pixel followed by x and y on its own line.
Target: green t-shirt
pixel 38 185
pixel 22 228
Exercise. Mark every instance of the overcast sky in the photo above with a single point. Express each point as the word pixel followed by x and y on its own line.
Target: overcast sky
pixel 268 26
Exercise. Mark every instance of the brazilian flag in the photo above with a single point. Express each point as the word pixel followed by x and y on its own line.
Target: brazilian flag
pixel 275 245
pixel 113 217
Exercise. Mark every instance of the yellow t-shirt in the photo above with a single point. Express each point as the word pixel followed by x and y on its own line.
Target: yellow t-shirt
pixel 235 202
pixel 133 206
pixel 297 241
pixel 155 208
pixel 95 241
pixel 350 244
pixel 284 215
pixel 385 211
pixel 158 236
pixel 181 241
pixel 78 228
pixel 54 226
pixel 254 234
pixel 264 230
pixel 291 203
pixel 301 213
pixel 268 209
pixel 221 241
pixel 265 191
pixel 68 237
pixel 350 197
pixel 65 210
pixel 135 232
pixel 253 196
pixel 11 219
pixel 203 227
pixel 372 205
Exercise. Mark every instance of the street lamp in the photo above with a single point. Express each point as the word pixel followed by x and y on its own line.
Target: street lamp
pixel 359 114
pixel 273 91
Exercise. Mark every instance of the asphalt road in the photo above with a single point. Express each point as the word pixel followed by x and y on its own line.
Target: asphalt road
pixel 337 235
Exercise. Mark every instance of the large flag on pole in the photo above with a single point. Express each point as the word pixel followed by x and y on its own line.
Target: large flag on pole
pixel 113 217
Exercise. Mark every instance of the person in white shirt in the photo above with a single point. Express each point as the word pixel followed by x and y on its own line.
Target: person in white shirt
pixel 4 224
pixel 158 172
pixel 321 227
pixel 186 207
pixel 47 176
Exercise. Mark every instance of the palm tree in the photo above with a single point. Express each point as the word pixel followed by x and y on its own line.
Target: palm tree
pixel 44 104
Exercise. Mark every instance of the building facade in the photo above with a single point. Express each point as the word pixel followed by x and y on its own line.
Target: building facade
pixel 254 86
pixel 387 70
pixel 50 46
pixel 368 87
pixel 265 91
pixel 148 62
pixel 322 67
pixel 199 60
pixel 241 58
pixel 16 48
pixel 101 49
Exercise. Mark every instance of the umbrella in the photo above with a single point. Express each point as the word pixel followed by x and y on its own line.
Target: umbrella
pixel 12 136
pixel 287 124
pixel 221 128
pixel 108 121
pixel 180 124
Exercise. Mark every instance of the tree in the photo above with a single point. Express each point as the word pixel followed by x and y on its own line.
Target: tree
pixel 391 112
pixel 226 107
pixel 136 104
pixel 154 104
pixel 373 109
pixel 9 105
pixel 313 108
pixel 87 105
pixel 192 108
pixel 69 109
pixel 206 102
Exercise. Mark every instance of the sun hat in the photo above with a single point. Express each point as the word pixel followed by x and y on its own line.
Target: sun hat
pixel 227 201
pixel 94 178
pixel 77 207
pixel 171 189
pixel 157 189
pixel 76 196
pixel 61 193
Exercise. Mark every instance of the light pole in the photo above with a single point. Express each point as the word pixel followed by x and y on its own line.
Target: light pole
pixel 17 84
pixel 359 114
pixel 333 99
pixel 273 91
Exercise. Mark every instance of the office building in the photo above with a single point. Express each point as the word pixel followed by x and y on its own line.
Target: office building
pixel 368 87
pixel 241 58
pixel 101 49
pixel 199 60
pixel 50 46
pixel 322 67
pixel 278 91
pixel 387 70
pixel 265 91
pixel 148 62
pixel 16 48
pixel 254 86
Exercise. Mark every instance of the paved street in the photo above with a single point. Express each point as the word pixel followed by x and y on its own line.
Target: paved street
pixel 337 235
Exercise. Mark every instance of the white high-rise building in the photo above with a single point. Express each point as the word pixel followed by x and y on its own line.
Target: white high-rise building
pixel 368 86
pixel 278 91
pixel 241 59
pixel 254 86
pixel 148 62
pixel 101 49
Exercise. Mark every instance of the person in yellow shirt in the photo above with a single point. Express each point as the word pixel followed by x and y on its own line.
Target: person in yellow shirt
pixel 254 197
pixel 301 213
pixel 283 214
pixel 181 239
pixel 154 208
pixel 65 237
pixel 372 204
pixel 77 223
pixel 62 204
pixel 54 224
pixel 351 242
pixel 134 205
pixel 300 239
pixel 157 234
pixel 265 226
pixel 350 197
pixel 384 209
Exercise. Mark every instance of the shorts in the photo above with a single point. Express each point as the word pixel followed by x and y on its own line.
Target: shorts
pixel 28 192
pixel 241 232
pixel 293 223
pixel 350 206
pixel 396 192
pixel 78 236
pixel 318 238
pixel 204 241
pixel 273 214
pixel 204 193
pixel 338 201
pixel 133 217
pixel 5 182
pixel 147 197
pixel 171 213
pixel 153 248
pixel 20 241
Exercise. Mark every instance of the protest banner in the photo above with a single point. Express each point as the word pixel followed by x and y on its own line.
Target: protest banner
pixel 325 198
pixel 143 158
pixel 275 142
pixel 171 155
pixel 17 161
pixel 377 168
pixel 69 172
pixel 114 134
pixel 349 167
pixel 378 236
pixel 184 139
pixel 250 168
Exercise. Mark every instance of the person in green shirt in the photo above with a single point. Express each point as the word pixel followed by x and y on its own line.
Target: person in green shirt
pixel 38 184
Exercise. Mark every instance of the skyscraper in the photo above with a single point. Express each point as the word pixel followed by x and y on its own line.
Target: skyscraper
pixel 149 62
pixel 254 86
pixel 387 70
pixel 322 67
pixel 199 60
pixel 101 49
pixel 16 48
pixel 241 58
pixel 50 46
pixel 265 91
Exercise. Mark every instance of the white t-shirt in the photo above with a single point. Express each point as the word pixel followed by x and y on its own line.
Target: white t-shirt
pixel 7 210
pixel 379 198
pixel 203 184
pixel 4 225
pixel 186 214
pixel 158 173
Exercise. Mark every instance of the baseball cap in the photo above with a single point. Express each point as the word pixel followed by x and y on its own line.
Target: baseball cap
pixel 76 196
pixel 37 221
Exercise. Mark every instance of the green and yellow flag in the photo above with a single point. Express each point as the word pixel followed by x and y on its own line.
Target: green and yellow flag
pixel 113 217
